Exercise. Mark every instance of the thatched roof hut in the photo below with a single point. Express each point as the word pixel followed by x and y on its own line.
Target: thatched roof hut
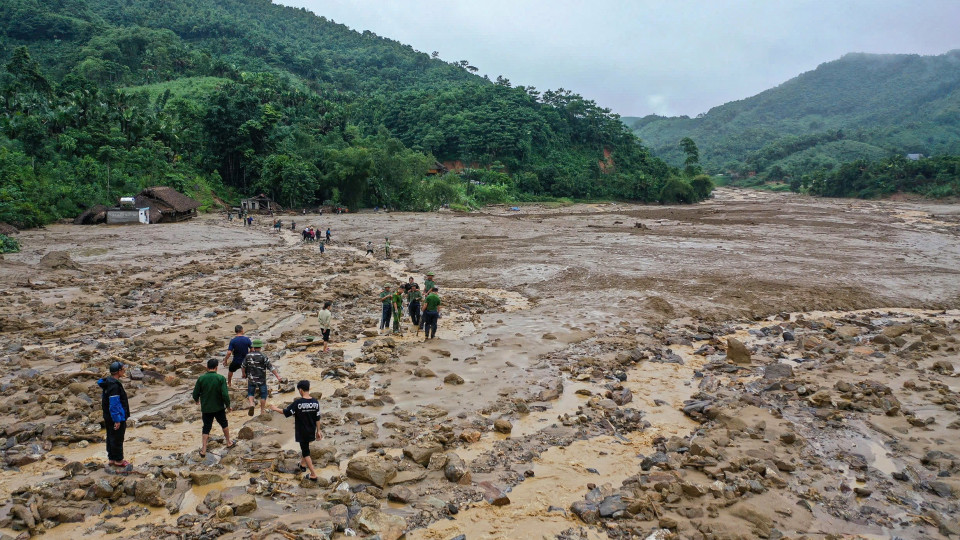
pixel 166 204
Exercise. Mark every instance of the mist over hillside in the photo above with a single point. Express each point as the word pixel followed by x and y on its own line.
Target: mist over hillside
pixel 859 106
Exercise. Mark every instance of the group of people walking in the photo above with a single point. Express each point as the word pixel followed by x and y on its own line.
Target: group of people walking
pixel 424 311
pixel 211 391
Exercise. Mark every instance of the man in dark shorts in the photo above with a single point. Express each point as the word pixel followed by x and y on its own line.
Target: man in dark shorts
pixel 116 411
pixel 211 394
pixel 323 318
pixel 255 366
pixel 239 347
pixel 306 412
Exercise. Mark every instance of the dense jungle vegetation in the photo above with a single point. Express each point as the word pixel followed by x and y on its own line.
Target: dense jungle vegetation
pixel 226 98
pixel 863 112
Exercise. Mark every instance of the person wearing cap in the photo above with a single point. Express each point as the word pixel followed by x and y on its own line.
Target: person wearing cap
pixel 211 394
pixel 305 411
pixel 323 318
pixel 239 346
pixel 256 365
pixel 428 283
pixel 396 303
pixel 431 314
pixel 116 411
pixel 413 302
pixel 386 299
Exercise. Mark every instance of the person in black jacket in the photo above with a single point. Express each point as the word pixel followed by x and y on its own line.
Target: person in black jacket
pixel 116 410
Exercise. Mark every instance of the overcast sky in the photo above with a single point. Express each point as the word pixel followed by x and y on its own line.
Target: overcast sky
pixel 639 57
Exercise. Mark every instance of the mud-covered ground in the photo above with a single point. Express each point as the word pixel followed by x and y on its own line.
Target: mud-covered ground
pixel 758 365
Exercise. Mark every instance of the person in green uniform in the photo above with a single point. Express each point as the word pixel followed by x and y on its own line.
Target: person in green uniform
pixel 386 247
pixel 397 306
pixel 211 394
pixel 428 283
pixel 386 299
pixel 431 313
pixel 414 296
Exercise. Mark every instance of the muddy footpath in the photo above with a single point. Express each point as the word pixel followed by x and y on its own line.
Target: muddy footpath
pixel 755 366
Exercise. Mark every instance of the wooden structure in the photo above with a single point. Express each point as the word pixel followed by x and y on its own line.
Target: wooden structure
pixel 166 204
pixel 260 204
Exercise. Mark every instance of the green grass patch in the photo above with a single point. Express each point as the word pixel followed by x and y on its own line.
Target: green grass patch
pixel 188 87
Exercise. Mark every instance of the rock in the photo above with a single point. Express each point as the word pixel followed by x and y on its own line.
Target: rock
pixel 622 396
pixel 102 489
pixel 761 522
pixel 777 371
pixel 737 352
pixel 224 511
pixel 942 489
pixel 202 478
pixel 372 469
pixel 420 452
pixel 246 433
pixel 588 512
pixel 470 436
pixel 667 522
pixel 437 462
pixel 400 494
pixel 243 504
pixel 612 506
pixel 942 366
pixel 386 526
pixel 896 330
pixel 58 260
pixel 693 490
pixel 423 372
pixel 502 425
pixel 453 378
pixel 456 469
pixel 494 495
pixel 148 492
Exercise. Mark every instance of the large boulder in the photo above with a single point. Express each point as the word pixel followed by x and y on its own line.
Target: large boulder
pixel 372 469
pixel 386 526
pixel 737 352
pixel 243 504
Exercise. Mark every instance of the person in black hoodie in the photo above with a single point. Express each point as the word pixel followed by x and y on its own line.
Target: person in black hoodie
pixel 116 410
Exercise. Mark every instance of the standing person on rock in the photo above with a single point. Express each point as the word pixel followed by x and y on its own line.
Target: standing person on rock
pixel 239 347
pixel 116 411
pixel 386 302
pixel 256 365
pixel 323 318
pixel 431 313
pixel 211 394
pixel 305 411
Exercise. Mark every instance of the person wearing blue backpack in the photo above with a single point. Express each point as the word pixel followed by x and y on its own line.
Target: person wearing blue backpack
pixel 116 411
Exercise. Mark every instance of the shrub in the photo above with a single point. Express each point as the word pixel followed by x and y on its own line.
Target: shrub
pixel 676 191
pixel 702 186
pixel 9 245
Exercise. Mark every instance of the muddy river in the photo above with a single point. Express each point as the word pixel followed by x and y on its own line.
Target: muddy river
pixel 757 365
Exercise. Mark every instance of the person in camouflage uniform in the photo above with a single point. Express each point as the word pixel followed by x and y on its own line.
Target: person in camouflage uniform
pixel 256 365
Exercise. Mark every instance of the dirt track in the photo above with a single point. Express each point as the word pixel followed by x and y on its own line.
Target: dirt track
pixel 548 311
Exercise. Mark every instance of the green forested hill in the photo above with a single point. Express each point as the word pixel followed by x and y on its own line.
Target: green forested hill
pixel 103 97
pixel 877 105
